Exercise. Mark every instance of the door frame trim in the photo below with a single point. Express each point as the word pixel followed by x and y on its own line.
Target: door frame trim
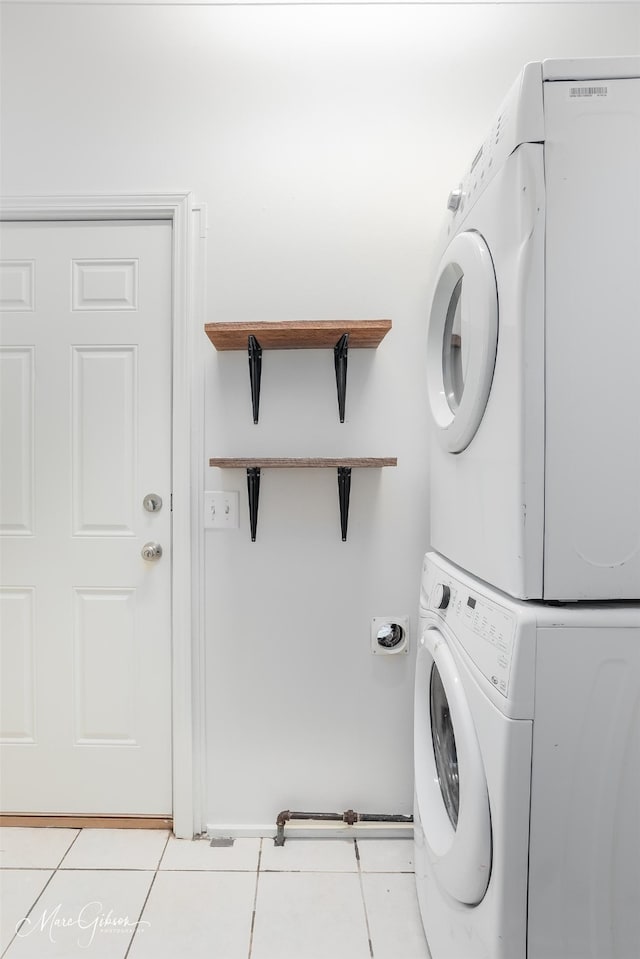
pixel 187 626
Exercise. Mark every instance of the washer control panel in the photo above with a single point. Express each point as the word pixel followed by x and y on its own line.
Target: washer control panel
pixel 483 628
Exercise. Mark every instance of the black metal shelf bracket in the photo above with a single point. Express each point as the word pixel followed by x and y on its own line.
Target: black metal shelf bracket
pixel 340 354
pixel 255 372
pixel 344 489
pixel 253 487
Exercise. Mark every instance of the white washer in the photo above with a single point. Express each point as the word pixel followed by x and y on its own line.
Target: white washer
pixel 534 339
pixel 527 774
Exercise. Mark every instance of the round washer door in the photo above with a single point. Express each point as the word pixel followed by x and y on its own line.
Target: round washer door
pixel 462 339
pixel 451 787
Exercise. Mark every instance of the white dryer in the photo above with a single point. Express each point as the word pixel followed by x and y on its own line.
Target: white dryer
pixel 527 774
pixel 534 342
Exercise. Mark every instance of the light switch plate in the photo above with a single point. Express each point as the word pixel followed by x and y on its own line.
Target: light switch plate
pixel 221 509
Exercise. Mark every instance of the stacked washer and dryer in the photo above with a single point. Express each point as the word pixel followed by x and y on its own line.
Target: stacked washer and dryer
pixel 527 697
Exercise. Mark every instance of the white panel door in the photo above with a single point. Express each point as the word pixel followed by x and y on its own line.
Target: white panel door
pixel 85 432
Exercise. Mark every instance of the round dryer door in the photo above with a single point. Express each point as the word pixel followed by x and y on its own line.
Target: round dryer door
pixel 451 788
pixel 462 339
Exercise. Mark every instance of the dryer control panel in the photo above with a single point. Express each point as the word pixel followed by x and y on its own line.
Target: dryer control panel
pixel 520 120
pixel 481 626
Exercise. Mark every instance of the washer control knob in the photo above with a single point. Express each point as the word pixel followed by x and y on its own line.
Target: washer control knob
pixel 441 596
pixel 455 199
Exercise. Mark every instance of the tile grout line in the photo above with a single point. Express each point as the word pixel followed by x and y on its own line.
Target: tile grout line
pixel 29 911
pixel 146 898
pixel 169 835
pixel 255 901
pixel 67 851
pixel 364 904
pixel 35 902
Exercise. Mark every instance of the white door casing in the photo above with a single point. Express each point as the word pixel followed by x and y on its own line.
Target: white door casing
pixel 185 464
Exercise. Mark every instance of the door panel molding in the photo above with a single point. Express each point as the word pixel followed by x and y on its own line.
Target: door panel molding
pixel 188 231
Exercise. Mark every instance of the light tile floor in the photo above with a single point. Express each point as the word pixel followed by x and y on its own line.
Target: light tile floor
pixel 138 894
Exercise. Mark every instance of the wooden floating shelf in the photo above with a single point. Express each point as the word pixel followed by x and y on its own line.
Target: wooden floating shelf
pixel 344 465
pixel 371 462
pixel 298 334
pixel 337 335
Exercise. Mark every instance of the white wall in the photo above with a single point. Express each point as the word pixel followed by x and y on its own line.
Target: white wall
pixel 324 140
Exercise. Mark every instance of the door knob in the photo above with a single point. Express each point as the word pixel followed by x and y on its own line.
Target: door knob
pixel 151 552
